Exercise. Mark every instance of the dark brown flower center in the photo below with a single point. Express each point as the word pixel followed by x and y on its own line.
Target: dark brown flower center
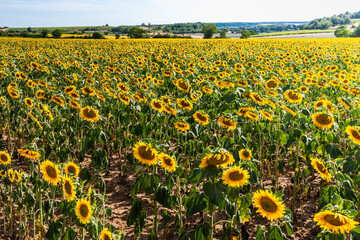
pixel 321 167
pixel 333 220
pixel 84 210
pixel 217 159
pixel 4 158
pixel 323 119
pixel 201 117
pixel 355 133
pixel 68 188
pixel 268 205
pixel 168 161
pixel 236 175
pixel 146 153
pixel 89 113
pixel 50 170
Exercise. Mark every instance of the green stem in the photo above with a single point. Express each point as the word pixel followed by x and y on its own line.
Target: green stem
pixel 180 202
pixel 277 157
pixel 155 221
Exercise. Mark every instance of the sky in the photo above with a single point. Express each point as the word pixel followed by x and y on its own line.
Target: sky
pixel 58 13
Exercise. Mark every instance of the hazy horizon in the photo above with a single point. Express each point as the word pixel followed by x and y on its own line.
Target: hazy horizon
pixel 62 13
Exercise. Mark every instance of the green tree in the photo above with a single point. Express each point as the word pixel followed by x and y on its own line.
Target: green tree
pixel 223 32
pixel 117 36
pixel 341 32
pixel 136 32
pixel 245 34
pixel 29 29
pixel 44 33
pixel 97 35
pixel 57 33
pixel 356 33
pixel 209 30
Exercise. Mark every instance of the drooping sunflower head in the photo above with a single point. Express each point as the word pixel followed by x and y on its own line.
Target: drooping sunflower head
pixel 34 155
pixel 323 120
pixel 83 210
pixel 182 126
pixel 222 159
pixel 58 100
pixel 253 116
pixel 184 104
pixel 321 169
pixel 68 188
pixel 89 114
pixel 170 110
pixel 11 175
pixel 50 172
pixel 72 169
pixel 268 205
pixel 145 153
pixel 236 177
pixel 201 118
pixel 266 115
pixel 227 123
pixel 183 85
pixel 156 105
pixel 5 158
pixel 293 97
pixel 257 98
pixel 354 134
pixel 125 99
pixel 105 234
pixel 74 104
pixel 167 162
pixel 242 111
pixel 245 154
pixel 335 222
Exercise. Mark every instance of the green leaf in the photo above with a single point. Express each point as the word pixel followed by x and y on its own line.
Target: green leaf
pixel 201 232
pixel 196 202
pixel 275 233
pixel 196 176
pixel 70 234
pixel 134 211
pixel 54 230
pixel 108 212
pixel 333 151
pixel 163 197
pixel 215 192
pixel 260 233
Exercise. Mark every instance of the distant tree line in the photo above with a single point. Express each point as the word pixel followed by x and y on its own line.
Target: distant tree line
pixel 267 28
pixel 327 22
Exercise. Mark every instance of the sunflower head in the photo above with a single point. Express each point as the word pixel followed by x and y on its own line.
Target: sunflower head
pixel 83 210
pixel 354 134
pixel 167 162
pixel 5 158
pixel 182 126
pixel 335 222
pixel 89 114
pixel 145 153
pixel 323 120
pixel 245 154
pixel 201 117
pixel 68 188
pixel 321 169
pixel 236 177
pixel 222 159
pixel 156 105
pixel 268 205
pixel 50 172
pixel 227 123
pixel 72 169
pixel 105 234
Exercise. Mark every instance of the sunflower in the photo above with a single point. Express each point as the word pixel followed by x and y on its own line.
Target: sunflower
pixel 289 110
pixel 253 116
pixel 74 104
pixel 236 177
pixel 335 222
pixel 125 99
pixel 89 114
pixel 266 115
pixel 17 176
pixel 222 159
pixel 167 162
pixel 354 134
pixel 169 109
pixel 50 172
pixel 72 169
pixel 28 102
pixel 88 90
pixel 69 89
pixel 156 105
pixel 145 153
pixel 13 94
pixel 5 158
pixel 74 95
pixel 227 123
pixel 122 87
pixel 182 126
pixel 11 175
pixel 245 154
pixel 304 89
pixel 242 111
pixel 268 205
pixel 69 188
pixel 293 97
pixel 34 155
pixel 183 85
pixel 271 84
pixel 323 120
pixel 201 117
pixel 105 234
pixel 58 100
pixel 321 169
pixel 83 210
pixel 184 104
pixel 257 98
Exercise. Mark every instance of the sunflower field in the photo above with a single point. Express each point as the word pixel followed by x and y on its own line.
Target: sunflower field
pixel 200 139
